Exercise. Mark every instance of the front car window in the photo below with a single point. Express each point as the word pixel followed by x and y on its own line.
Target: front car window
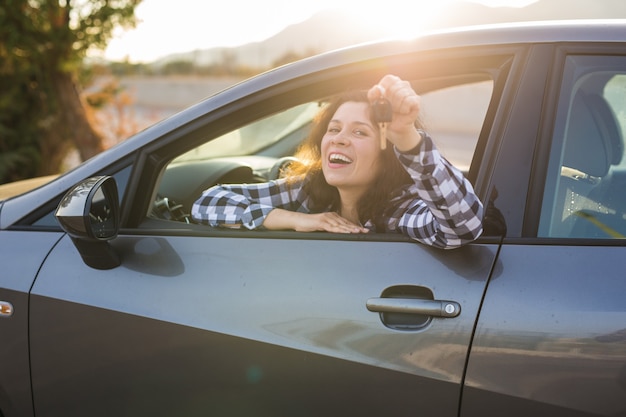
pixel 584 193
pixel 453 115
pixel 121 178
pixel 252 138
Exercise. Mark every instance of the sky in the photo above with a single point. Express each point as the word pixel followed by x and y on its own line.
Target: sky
pixel 166 27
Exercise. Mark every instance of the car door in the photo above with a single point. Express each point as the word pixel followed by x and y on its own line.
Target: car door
pixel 199 321
pixel 551 337
pixel 252 326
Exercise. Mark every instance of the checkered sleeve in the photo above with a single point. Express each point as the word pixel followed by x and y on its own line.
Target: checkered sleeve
pixel 440 208
pixel 243 204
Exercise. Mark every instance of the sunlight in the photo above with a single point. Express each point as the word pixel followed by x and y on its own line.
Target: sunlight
pixel 504 3
pixel 163 29
pixel 401 19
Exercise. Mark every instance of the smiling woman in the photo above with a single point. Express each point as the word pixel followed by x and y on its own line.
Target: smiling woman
pixel 347 183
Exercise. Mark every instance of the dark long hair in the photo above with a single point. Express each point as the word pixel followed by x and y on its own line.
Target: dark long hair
pixel 323 196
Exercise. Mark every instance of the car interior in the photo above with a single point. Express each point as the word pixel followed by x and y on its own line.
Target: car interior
pixel 589 200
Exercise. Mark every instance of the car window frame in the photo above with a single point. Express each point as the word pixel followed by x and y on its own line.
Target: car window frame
pixel 541 159
pixel 492 62
pixel 42 218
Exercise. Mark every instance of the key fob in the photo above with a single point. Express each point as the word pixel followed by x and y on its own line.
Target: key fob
pixel 382 110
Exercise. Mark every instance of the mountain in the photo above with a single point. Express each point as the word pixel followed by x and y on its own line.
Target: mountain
pixel 332 29
pixel 322 32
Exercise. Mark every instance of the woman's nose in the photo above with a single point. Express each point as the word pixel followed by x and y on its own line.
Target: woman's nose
pixel 341 138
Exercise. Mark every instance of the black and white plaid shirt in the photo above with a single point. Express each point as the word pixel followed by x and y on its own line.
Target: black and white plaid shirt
pixel 439 209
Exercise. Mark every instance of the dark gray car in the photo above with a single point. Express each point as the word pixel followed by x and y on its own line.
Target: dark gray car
pixel 130 309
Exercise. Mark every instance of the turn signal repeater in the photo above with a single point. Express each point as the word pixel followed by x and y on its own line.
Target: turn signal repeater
pixel 6 309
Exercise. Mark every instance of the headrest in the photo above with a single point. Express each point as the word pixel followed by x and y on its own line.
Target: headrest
pixel 594 140
pixel 607 124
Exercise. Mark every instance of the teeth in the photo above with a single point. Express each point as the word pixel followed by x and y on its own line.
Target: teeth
pixel 337 157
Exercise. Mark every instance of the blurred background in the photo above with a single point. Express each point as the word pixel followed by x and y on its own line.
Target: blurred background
pixel 79 76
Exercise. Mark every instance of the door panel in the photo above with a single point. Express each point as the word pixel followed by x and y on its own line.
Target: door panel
pixel 20 258
pixel 552 335
pixel 250 326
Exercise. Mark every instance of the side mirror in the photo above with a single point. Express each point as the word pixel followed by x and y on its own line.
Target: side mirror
pixel 89 213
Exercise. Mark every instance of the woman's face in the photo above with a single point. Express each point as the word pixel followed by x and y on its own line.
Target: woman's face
pixel 351 148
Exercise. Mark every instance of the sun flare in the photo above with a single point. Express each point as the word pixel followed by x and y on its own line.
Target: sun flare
pixel 163 30
pixel 401 19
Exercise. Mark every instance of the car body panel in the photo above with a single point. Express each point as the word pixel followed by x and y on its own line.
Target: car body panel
pixel 550 336
pixel 148 367
pixel 553 325
pixel 281 300
pixel 17 279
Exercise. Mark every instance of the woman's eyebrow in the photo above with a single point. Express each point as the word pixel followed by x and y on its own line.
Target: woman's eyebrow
pixel 368 124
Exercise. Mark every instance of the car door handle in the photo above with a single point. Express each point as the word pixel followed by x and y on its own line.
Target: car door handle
pixel 435 308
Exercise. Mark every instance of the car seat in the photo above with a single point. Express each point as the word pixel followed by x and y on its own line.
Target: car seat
pixel 593 143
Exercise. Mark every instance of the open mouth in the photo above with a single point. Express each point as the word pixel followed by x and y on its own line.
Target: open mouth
pixel 337 158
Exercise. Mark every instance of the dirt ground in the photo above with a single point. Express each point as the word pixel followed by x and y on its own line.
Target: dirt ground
pixel 174 92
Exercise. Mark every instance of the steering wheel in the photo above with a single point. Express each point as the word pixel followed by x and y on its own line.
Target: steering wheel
pixel 279 166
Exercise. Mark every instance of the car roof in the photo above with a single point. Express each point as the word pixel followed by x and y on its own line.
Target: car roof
pixel 535 32
pixel 593 30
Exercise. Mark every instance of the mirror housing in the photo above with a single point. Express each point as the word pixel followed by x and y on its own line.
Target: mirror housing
pixel 89 214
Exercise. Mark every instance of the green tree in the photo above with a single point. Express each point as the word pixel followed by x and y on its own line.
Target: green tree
pixel 43 44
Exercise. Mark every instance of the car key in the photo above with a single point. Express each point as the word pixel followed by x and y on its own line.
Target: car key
pixel 382 115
